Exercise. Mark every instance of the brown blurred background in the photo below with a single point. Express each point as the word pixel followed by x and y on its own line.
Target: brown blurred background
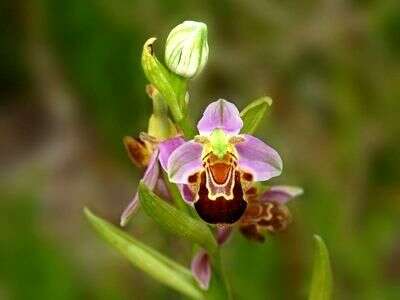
pixel 72 87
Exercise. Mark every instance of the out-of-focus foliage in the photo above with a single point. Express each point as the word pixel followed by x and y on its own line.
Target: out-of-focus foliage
pixel 72 87
pixel 147 259
pixel 321 282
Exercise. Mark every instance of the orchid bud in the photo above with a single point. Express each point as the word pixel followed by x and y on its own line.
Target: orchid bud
pixel 160 125
pixel 186 51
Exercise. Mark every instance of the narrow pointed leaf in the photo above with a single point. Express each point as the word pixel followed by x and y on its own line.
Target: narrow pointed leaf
pixel 253 113
pixel 145 258
pixel 176 221
pixel 321 282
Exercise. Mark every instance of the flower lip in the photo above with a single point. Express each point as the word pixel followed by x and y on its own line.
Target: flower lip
pixel 220 210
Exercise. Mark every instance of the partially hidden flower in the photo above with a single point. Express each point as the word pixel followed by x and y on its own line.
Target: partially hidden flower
pixel 267 212
pixel 186 50
pixel 201 269
pixel 160 152
pixel 220 165
pixel 201 263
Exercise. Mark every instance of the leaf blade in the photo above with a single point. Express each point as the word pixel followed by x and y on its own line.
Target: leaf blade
pixel 145 258
pixel 176 221
pixel 321 283
pixel 253 113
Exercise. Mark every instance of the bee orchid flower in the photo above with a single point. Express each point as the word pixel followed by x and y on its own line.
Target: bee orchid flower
pixel 219 166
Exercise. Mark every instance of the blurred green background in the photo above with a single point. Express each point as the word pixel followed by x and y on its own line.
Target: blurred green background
pixel 72 87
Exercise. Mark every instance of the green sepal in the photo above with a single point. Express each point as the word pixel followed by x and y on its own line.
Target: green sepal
pixel 160 125
pixel 171 86
pixel 253 113
pixel 146 258
pixel 321 282
pixel 176 221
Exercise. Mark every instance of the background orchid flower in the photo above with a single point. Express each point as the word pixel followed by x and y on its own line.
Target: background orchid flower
pixel 268 212
pixel 219 165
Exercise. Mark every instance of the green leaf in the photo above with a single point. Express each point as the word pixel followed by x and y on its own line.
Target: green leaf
pixel 176 195
pixel 321 282
pixel 147 259
pixel 176 221
pixel 253 113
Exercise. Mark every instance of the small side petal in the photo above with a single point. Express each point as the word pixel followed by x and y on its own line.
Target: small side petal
pixel 258 158
pixel 220 114
pixel 281 194
pixel 186 193
pixel 167 147
pixel 150 178
pixel 184 161
pixel 161 189
pixel 130 210
pixel 201 269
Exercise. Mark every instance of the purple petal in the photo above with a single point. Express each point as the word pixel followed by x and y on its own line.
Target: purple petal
pixel 220 114
pixel 186 193
pixel 281 193
pixel 184 161
pixel 201 269
pixel 161 189
pixel 258 158
pixel 223 233
pixel 166 148
pixel 129 210
pixel 152 172
pixel 150 179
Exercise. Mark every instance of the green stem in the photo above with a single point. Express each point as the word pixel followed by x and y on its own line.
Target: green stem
pixel 219 288
pixel 182 118
pixel 187 127
pixel 160 108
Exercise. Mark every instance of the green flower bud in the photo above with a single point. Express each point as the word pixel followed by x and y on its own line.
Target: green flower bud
pixel 160 125
pixel 186 51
